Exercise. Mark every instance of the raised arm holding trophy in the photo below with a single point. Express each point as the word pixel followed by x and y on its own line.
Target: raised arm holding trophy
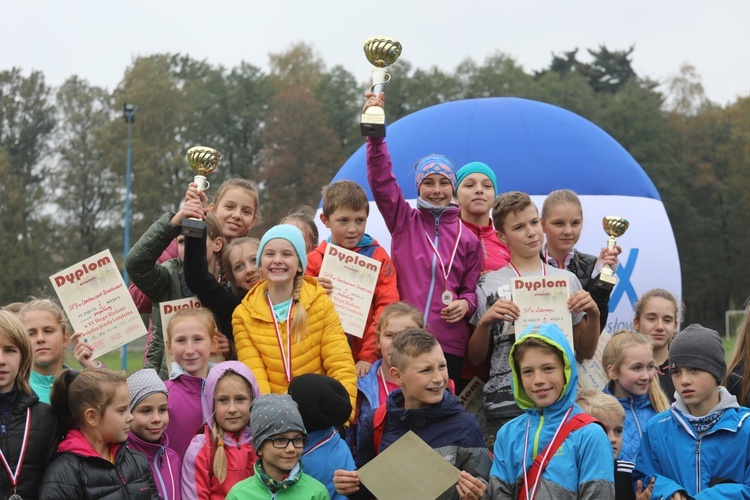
pixel 202 161
pixel 614 227
pixel 381 51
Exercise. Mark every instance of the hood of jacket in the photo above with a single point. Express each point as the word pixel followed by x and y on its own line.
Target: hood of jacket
pixel 550 334
pixel 216 374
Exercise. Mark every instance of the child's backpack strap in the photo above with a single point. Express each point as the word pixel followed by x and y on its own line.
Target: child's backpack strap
pixel 379 420
pixel 537 468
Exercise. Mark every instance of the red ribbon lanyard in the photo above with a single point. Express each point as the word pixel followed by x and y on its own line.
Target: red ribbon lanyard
pixel 330 436
pixel 530 495
pixel 14 475
pixel 453 253
pixel 515 270
pixel 286 354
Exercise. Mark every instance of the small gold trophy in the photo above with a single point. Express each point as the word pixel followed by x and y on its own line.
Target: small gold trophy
pixel 203 161
pixel 381 51
pixel 614 227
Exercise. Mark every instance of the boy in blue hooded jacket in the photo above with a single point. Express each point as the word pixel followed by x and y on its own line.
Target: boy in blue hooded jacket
pixel 544 381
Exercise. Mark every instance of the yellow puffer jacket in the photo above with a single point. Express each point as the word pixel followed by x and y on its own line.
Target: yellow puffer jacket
pixel 324 350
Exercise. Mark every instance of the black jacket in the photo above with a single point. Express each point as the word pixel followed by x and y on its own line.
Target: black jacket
pixel 79 473
pixel 43 437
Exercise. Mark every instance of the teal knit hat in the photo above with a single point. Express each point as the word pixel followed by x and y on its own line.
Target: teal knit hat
pixel 290 233
pixel 475 167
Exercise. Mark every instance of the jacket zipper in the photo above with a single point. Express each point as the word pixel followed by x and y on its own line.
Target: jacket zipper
pixel 698 466
pixel 433 270
pixel 635 417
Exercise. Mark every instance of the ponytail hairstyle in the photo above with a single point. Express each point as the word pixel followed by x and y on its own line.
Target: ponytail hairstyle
pixel 75 391
pixel 613 357
pixel 560 196
pixel 741 358
pixel 299 321
pixel 50 306
pixel 219 466
pixel 12 332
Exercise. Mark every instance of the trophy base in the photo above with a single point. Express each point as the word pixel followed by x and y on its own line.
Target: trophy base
pixel 193 227
pixel 372 125
pixel 606 282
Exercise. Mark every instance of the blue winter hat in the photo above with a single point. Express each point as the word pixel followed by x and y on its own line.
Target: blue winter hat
pixel 475 167
pixel 290 233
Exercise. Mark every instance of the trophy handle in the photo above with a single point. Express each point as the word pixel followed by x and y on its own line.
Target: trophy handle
pixel 201 182
pixel 380 78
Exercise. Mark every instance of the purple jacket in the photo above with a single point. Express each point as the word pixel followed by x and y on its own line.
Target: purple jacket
pixel 185 414
pixel 166 464
pixel 420 277
pixel 198 481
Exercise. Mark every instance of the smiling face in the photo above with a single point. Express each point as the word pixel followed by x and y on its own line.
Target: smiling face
pixel 424 379
pixel 235 212
pixel 150 417
pixel 635 373
pixel 114 424
pixel 522 232
pixel 244 265
pixel 48 341
pixel 437 190
pixel 562 226
pixel 278 462
pixel 232 400
pixel 475 194
pixel 347 226
pixel 190 346
pixel 542 375
pixel 279 262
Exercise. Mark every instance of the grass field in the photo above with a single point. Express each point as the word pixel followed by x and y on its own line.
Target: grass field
pixel 134 360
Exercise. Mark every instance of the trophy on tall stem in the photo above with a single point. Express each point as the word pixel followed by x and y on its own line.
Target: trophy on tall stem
pixel 614 227
pixel 202 161
pixel 381 51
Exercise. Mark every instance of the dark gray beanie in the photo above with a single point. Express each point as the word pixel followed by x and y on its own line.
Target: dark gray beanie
pixel 273 414
pixel 698 347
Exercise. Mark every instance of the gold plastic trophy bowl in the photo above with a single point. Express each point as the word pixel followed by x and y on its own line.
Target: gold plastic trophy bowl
pixel 615 226
pixel 382 51
pixel 203 160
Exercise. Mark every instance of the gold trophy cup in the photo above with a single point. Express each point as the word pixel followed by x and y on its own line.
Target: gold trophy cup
pixel 202 161
pixel 614 227
pixel 381 51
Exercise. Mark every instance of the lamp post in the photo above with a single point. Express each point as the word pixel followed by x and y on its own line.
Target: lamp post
pixel 128 111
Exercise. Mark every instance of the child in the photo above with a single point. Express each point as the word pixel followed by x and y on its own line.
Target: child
pixel 562 222
pixel 376 385
pixel 164 282
pixel 628 360
pixel 429 245
pixel 476 187
pixel 48 329
pixel 699 447
pixel 303 217
pixel 191 337
pixel 286 325
pixel 345 211
pixel 517 222
pixel 279 437
pixel 235 206
pixel 658 316
pixel 94 460
pixel 222 455
pixel 148 405
pixel 734 380
pixel 608 411
pixel 545 378
pixel 423 406
pixel 239 265
pixel 324 405
pixel 29 428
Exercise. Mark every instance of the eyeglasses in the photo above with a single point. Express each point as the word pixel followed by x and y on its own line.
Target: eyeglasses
pixel 297 442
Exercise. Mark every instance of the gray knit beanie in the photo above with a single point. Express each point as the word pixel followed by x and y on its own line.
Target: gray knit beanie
pixel 273 414
pixel 698 347
pixel 144 383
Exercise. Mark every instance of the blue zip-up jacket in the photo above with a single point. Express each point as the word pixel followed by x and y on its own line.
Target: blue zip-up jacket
pixel 715 465
pixel 638 411
pixel 324 453
pixel 369 387
pixel 582 468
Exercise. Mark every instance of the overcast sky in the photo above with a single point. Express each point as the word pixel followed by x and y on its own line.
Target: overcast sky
pixel 97 40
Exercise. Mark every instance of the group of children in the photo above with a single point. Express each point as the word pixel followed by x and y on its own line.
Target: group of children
pixel 260 393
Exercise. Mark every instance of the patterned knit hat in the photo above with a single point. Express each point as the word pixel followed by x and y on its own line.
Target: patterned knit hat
pixel 435 164
pixel 144 383
pixel 273 414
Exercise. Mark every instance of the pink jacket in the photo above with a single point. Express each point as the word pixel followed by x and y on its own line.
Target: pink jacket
pixel 495 253
pixel 420 278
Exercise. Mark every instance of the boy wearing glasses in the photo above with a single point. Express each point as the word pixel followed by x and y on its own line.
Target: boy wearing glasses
pixel 279 437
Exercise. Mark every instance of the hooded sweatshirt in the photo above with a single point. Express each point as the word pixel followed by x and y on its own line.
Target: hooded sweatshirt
pixel 166 464
pixel 582 468
pixel 198 480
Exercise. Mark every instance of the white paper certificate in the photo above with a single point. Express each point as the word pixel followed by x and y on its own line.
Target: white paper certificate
pixel 543 299
pixel 97 303
pixel 354 278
